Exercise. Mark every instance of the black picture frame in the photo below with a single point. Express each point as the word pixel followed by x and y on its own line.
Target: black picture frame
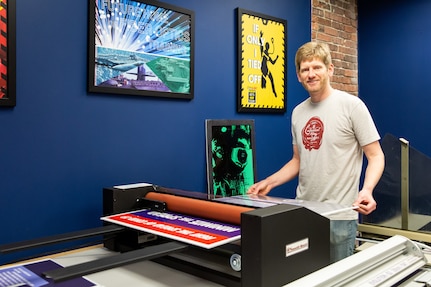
pixel 262 62
pixel 8 53
pixel 230 156
pixel 142 48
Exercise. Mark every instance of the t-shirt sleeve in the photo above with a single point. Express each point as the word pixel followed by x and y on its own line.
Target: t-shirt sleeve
pixel 363 124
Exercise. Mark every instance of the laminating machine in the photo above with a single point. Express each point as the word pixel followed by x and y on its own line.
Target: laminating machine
pixel 238 241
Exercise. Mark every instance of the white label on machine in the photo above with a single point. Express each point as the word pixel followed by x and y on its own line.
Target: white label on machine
pixel 297 247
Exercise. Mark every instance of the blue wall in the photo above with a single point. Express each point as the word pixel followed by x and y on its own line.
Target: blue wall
pixel 61 145
pixel 394 62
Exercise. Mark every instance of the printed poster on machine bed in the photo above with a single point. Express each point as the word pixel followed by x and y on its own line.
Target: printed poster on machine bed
pixel 188 229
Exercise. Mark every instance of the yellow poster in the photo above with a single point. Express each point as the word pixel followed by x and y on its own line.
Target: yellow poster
pixel 262 57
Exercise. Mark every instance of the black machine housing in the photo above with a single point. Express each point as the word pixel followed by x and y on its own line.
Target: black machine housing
pixel 279 244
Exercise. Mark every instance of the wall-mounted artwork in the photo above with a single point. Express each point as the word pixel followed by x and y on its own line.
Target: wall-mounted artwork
pixel 7 53
pixel 261 63
pixel 141 47
pixel 231 156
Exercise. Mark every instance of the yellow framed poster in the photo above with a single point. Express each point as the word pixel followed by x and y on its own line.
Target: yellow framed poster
pixel 261 62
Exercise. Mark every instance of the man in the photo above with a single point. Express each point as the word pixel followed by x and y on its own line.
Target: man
pixel 331 131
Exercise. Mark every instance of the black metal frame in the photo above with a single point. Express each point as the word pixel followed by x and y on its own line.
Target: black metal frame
pixel 211 124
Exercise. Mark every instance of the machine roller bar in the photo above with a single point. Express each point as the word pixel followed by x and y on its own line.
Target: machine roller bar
pixel 122 259
pixel 18 246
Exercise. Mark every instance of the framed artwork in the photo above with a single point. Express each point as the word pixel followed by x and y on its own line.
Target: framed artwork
pixel 230 148
pixel 261 63
pixel 141 47
pixel 7 53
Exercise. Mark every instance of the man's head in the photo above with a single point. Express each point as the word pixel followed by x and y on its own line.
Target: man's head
pixel 313 50
pixel 314 69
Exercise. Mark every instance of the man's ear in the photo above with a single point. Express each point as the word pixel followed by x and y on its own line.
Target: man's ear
pixel 297 76
pixel 331 70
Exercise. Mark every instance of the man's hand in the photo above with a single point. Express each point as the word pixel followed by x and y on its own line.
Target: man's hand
pixel 262 188
pixel 365 202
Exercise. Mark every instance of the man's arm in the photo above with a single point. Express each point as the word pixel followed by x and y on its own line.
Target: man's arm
pixel 289 171
pixel 376 164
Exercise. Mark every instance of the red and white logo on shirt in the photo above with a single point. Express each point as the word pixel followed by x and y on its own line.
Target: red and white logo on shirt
pixel 312 133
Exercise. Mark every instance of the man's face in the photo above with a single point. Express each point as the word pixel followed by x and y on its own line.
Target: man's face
pixel 314 75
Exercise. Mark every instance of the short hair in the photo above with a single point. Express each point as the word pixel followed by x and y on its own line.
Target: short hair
pixel 311 50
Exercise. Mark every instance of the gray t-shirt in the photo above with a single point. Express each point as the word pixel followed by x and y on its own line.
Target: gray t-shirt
pixel 329 136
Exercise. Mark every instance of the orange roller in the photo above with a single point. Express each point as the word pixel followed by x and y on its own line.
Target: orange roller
pixel 201 208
